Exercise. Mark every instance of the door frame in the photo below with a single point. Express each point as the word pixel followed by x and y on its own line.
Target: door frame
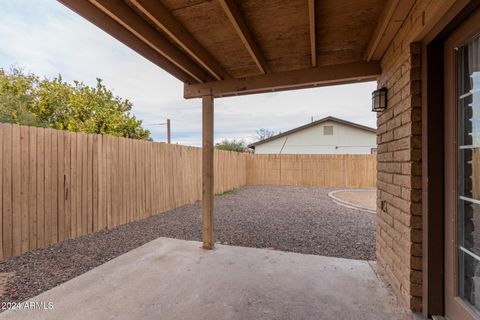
pixel 433 153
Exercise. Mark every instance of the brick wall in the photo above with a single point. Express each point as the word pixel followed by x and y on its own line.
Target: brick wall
pixel 399 172
pixel 399 181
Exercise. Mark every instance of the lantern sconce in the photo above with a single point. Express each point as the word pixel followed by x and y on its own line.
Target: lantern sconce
pixel 379 100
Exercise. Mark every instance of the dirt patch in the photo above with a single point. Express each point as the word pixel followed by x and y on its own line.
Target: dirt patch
pixel 297 219
pixel 358 198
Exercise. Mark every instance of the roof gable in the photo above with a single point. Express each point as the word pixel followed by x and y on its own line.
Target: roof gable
pixel 313 124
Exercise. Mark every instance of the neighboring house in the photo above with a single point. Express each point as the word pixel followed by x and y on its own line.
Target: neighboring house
pixel 325 136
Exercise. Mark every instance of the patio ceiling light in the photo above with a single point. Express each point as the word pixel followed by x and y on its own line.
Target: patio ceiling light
pixel 379 100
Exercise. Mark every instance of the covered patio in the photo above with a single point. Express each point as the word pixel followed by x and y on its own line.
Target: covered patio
pixel 221 48
pixel 224 48
pixel 175 279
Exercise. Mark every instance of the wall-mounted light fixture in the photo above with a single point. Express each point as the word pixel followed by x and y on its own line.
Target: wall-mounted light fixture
pixel 379 100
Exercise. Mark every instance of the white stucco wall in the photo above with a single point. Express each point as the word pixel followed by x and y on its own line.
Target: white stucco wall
pixel 345 140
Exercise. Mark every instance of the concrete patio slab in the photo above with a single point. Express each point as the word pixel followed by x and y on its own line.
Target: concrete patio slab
pixel 176 279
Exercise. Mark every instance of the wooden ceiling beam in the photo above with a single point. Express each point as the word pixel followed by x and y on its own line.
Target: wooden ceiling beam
pixel 165 21
pixel 110 26
pixel 313 42
pixel 236 18
pixel 391 19
pixel 127 18
pixel 306 78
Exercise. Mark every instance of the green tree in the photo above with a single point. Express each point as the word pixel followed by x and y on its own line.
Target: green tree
pixel 28 100
pixel 16 98
pixel 232 145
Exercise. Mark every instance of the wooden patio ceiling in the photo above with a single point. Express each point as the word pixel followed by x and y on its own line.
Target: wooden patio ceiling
pixel 231 47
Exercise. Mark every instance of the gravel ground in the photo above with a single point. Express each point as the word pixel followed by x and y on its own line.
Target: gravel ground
pixel 285 218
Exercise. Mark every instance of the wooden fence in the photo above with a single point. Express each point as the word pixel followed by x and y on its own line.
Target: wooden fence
pixel 323 170
pixel 57 185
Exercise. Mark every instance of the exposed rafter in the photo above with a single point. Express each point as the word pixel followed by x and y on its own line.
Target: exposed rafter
pixel 165 21
pixel 305 78
pixel 123 15
pixel 313 43
pixel 393 15
pixel 110 26
pixel 238 22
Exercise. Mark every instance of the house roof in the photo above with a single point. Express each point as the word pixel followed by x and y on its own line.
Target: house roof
pixel 313 124
pixel 231 47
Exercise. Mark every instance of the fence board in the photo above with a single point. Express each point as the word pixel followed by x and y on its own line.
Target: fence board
pixel 47 218
pixel 95 183
pixel 16 190
pixel 141 179
pixel 7 190
pixel 54 171
pixel 79 189
pixel 89 219
pixel 101 184
pixel 40 187
pixel 24 163
pixel 85 169
pixel 102 222
pixel 121 181
pixel 113 179
pixel 129 181
pixel 61 187
pixel 73 185
pixel 67 192
pixel 108 184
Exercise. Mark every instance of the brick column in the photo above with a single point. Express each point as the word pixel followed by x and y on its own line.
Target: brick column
pixel 399 169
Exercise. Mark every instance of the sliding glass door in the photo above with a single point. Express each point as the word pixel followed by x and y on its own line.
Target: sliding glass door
pixel 462 185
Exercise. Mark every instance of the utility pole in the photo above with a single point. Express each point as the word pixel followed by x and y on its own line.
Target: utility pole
pixel 169 137
pixel 168 131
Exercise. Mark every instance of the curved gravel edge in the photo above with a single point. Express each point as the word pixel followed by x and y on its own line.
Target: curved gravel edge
pixel 347 204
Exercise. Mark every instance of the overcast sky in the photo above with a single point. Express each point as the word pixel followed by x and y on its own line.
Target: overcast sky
pixel 44 37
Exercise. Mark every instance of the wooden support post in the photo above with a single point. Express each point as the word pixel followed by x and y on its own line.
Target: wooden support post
pixel 207 171
pixel 168 131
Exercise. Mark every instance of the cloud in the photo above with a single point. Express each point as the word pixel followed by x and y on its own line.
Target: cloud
pixel 48 39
